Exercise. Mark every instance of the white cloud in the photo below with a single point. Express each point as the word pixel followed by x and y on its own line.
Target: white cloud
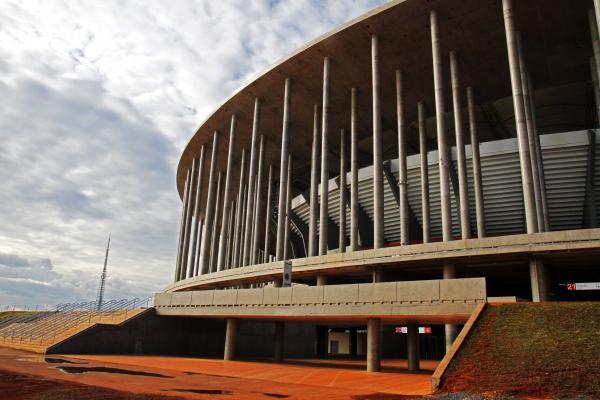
pixel 99 98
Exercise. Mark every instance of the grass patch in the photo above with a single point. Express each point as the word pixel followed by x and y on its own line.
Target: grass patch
pixel 545 349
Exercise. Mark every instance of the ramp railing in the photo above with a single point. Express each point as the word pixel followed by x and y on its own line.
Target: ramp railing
pixel 45 328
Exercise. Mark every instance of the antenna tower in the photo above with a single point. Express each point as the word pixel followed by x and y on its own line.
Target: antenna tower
pixel 100 295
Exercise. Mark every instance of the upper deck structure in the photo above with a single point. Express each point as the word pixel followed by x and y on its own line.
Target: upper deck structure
pixel 424 140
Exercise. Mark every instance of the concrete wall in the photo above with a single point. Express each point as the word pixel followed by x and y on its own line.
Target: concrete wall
pixel 451 297
pixel 150 334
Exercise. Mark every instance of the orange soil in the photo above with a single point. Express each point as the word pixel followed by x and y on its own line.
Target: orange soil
pixel 201 378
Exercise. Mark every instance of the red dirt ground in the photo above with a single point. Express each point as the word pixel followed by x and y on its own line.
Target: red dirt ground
pixel 547 350
pixel 31 376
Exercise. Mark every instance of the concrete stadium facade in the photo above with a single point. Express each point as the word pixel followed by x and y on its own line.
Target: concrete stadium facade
pixel 420 160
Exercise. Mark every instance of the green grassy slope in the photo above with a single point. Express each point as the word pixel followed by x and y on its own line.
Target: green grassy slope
pixel 536 349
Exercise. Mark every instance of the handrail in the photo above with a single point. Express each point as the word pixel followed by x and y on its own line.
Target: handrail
pixel 48 326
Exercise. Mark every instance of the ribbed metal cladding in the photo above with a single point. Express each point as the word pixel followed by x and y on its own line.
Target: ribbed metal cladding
pixel 565 165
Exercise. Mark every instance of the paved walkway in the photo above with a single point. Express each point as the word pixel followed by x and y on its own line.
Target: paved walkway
pixel 337 373
pixel 192 378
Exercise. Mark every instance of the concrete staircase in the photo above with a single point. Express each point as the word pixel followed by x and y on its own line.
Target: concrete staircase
pixel 39 334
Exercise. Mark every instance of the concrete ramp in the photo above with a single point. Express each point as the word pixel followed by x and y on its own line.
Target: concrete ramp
pixel 40 334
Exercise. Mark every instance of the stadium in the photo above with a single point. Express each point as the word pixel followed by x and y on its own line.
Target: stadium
pixel 367 196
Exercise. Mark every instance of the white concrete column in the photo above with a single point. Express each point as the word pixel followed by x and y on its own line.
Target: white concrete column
pixel 517 90
pixel 440 111
pixel 214 251
pixel 288 206
pixel 539 280
pixel 449 272
pixel 373 345
pixel 377 276
pixel 402 170
pixel 595 38
pixel 200 182
pixel 531 140
pixel 188 220
pixel 540 159
pixel 283 172
pixel 256 221
pixel 251 185
pixel 424 173
pixel 224 236
pixel 197 262
pixel 268 215
pixel 412 339
pixel 354 171
pixel 597 12
pixel 313 244
pixel 231 229
pixel 324 201
pixel 186 192
pixel 461 160
pixel 377 148
pixel 243 224
pixel 342 216
pixel 239 213
pixel 476 163
pixel 209 215
pixel 279 340
pixel 321 280
pixel 230 339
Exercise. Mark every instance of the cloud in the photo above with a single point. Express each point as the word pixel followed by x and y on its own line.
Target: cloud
pixel 99 100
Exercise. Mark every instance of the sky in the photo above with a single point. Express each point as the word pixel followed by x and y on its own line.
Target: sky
pixel 98 100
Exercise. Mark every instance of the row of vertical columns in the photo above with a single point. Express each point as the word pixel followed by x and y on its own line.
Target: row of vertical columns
pixel 440 111
pixel 281 217
pixel 251 185
pixel 528 145
pixel 342 200
pixel 288 207
pixel 449 271
pixel 531 139
pixel 595 59
pixel 463 190
pixel 354 171
pixel 239 213
pixel 204 258
pixel 188 220
pixel 424 173
pixel 268 215
pixel 214 243
pixel 196 228
pixel 377 147
pixel 402 169
pixel 517 91
pixel 324 202
pixel 257 207
pixel 180 248
pixel 476 163
pixel 224 236
pixel 313 245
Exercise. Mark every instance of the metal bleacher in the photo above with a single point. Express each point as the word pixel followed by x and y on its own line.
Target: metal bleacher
pixel 37 331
